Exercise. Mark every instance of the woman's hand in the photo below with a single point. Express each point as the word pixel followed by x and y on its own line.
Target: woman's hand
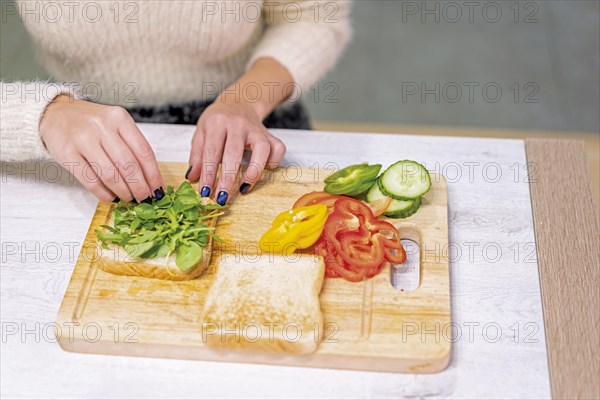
pixel 103 148
pixel 226 128
pixel 223 131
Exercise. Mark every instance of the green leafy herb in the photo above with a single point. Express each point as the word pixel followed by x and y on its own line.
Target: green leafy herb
pixel 173 224
pixel 188 255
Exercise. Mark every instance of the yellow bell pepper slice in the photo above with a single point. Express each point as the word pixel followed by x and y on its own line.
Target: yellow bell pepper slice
pixel 298 228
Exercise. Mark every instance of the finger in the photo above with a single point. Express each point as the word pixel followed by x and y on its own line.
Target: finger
pixel 128 167
pixel 232 156
pixel 107 171
pixel 278 150
pixel 144 155
pixel 211 155
pixel 89 179
pixel 195 160
pixel 261 148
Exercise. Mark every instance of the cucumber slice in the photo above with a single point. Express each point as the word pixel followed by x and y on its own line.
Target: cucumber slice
pixel 374 193
pixel 402 208
pixel 397 208
pixel 405 180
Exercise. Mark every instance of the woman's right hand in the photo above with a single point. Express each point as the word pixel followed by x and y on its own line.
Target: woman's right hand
pixel 103 148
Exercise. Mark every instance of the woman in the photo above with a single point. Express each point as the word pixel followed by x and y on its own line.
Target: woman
pixel 223 65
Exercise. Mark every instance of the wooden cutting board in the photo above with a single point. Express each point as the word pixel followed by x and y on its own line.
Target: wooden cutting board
pixel 368 325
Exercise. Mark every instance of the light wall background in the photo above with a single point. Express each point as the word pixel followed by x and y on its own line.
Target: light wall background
pixel 548 49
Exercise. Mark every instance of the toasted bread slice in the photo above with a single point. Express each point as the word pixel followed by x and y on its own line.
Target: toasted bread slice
pixel 115 260
pixel 269 303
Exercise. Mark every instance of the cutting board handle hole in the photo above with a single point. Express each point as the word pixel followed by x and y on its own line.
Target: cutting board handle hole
pixel 407 277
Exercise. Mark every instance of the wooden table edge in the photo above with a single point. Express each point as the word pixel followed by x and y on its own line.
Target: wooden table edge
pixel 567 240
pixel 591 139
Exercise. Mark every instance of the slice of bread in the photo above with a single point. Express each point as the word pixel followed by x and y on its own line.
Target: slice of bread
pixel 269 303
pixel 115 260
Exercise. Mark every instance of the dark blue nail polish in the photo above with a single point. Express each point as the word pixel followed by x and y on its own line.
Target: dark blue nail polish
pixel 222 198
pixel 245 187
pixel 188 171
pixel 116 200
pixel 159 193
pixel 205 192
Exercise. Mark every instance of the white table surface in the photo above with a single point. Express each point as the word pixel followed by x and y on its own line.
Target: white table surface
pixel 47 222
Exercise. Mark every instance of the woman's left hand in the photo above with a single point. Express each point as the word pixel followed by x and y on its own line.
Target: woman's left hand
pixel 223 132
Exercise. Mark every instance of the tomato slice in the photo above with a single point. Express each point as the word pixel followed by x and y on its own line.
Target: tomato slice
pixel 395 256
pixel 394 251
pixel 355 244
pixel 379 206
pixel 320 249
pixel 350 207
pixel 312 198
pixel 334 265
pixel 349 239
pixel 359 250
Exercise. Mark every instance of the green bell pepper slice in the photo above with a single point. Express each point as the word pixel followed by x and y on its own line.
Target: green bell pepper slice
pixel 352 180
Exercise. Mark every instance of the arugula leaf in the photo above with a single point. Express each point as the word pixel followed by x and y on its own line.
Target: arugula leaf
pixel 185 202
pixel 188 255
pixel 186 189
pixel 146 236
pixel 110 228
pixel 135 224
pixel 162 251
pixel 144 211
pixel 138 250
pixel 174 224
pixel 165 202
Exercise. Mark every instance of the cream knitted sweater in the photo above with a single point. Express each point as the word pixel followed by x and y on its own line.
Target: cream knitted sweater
pixel 147 52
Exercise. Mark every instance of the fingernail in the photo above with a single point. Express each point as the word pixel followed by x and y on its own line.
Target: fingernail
pixel 245 187
pixel 159 193
pixel 205 192
pixel 188 171
pixel 222 198
pixel 147 200
pixel 116 200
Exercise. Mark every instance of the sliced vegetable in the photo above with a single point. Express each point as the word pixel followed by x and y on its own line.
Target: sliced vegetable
pixel 334 265
pixel 352 180
pixel 378 201
pixel 405 180
pixel 298 228
pixel 312 198
pixel 360 249
pixel 403 208
pixel 355 244
pixel 395 208
pixel 394 251
pixel 375 194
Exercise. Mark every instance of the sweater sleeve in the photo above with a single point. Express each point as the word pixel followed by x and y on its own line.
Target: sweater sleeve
pixel 307 37
pixel 22 106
